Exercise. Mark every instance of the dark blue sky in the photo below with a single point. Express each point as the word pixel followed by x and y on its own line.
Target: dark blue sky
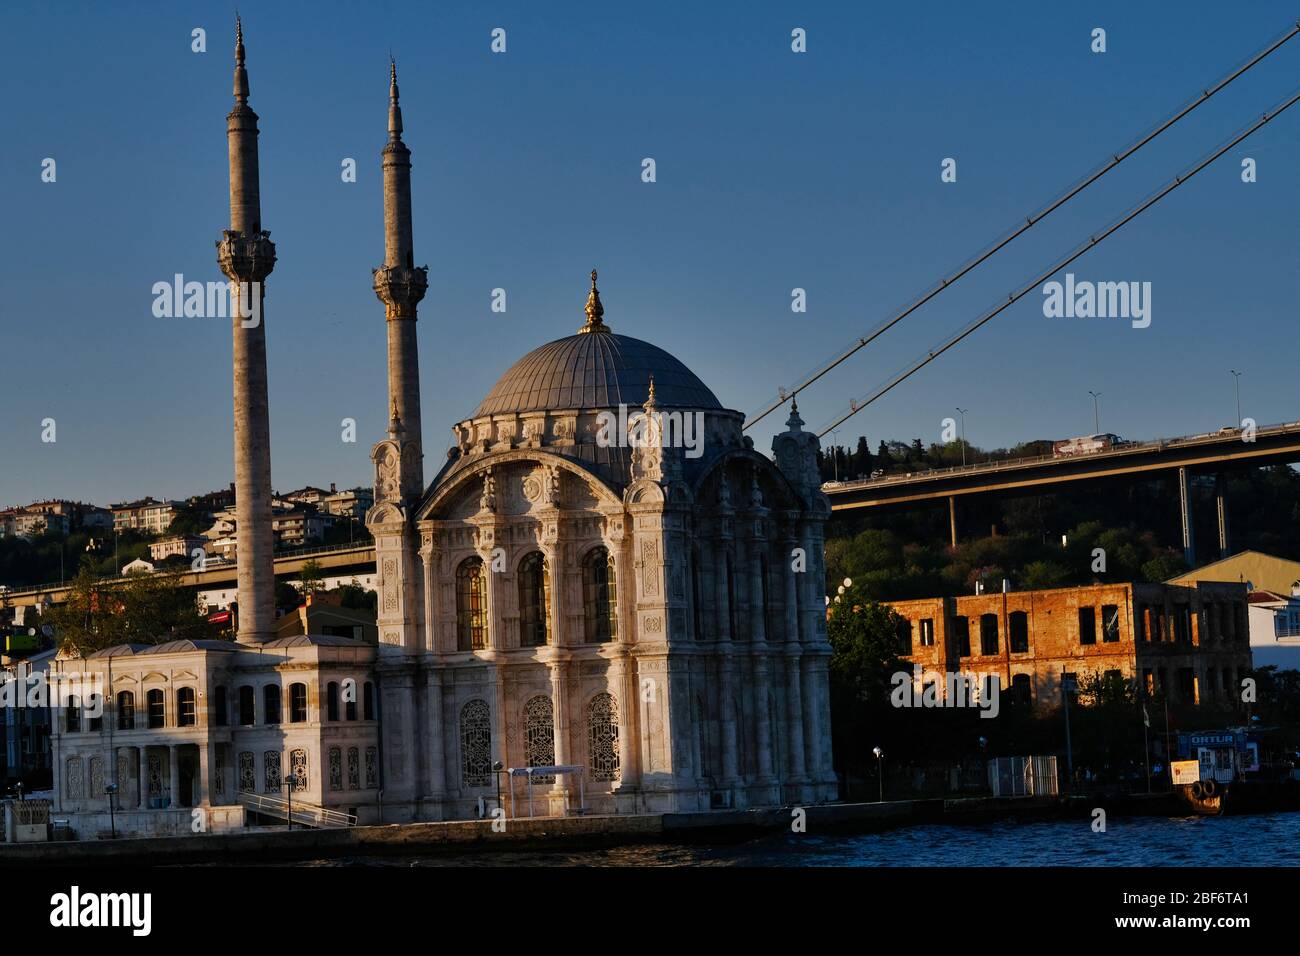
pixel 775 170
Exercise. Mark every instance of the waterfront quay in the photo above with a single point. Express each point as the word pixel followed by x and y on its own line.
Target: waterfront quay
pixel 573 833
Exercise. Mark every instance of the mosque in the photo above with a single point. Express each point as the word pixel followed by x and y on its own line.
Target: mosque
pixel 616 624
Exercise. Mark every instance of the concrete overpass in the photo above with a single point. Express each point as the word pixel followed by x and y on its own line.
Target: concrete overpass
pixel 358 558
pixel 1214 452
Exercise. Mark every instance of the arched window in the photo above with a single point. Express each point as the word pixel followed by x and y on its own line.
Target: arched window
pixel 95 716
pixel 332 701
pixel 534 601
pixel 297 703
pixel 350 699
pixel 186 713
pixel 475 744
pixel 368 701
pixel 471 606
pixel 271 704
pixel 599 600
pixel 246 701
pixel 298 769
pixel 696 611
pixel 125 710
pixel 219 706
pixel 72 716
pixel 336 768
pixel 76 781
pixel 539 735
pixel 602 737
pixel 271 771
pixel 156 706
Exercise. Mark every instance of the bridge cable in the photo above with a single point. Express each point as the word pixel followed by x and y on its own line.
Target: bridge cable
pixel 1092 242
pixel 1029 223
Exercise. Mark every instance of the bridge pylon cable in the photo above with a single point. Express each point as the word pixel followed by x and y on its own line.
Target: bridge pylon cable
pixel 1092 242
pixel 1030 221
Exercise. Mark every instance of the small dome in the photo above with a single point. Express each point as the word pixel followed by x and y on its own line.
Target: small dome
pixel 595 369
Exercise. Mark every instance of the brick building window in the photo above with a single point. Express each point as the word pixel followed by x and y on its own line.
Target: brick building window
pixel 1018 632
pixel 1022 691
pixel 927 632
pixel 905 637
pixel 988 634
pixel 1110 624
pixel 961 636
pixel 1087 625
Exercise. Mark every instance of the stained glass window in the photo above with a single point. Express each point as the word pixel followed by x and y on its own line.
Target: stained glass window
pixel 336 769
pixel 298 767
pixel 354 768
pixel 599 599
pixel 471 606
pixel 534 601
pixel 539 736
pixel 475 744
pixel 271 767
pixel 602 737
pixel 372 768
pixel 247 775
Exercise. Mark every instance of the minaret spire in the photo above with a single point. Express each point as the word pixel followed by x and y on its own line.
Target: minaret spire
pixel 241 74
pixel 401 286
pixel 394 110
pixel 247 256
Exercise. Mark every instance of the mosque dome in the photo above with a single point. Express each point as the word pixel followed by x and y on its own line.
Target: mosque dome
pixel 595 369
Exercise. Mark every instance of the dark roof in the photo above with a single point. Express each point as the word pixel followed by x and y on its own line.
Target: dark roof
pixel 595 370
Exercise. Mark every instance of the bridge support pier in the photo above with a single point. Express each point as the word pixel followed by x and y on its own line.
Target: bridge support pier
pixel 1221 501
pixel 1185 506
pixel 952 519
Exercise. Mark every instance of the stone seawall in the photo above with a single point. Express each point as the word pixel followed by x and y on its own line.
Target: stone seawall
pixel 554 833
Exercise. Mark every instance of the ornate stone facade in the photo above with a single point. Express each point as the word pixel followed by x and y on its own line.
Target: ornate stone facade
pixel 607 596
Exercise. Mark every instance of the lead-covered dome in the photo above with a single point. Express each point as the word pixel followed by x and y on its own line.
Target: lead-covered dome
pixel 595 369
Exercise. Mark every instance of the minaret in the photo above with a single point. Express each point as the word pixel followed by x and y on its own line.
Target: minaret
pixel 401 286
pixel 247 256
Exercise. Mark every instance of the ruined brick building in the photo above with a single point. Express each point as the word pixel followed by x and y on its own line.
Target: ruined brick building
pixel 1191 644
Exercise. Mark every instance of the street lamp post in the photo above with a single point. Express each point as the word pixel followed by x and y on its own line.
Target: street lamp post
pixel 962 412
pixel 1068 687
pixel 290 782
pixel 880 770
pixel 1236 383
pixel 1096 412
pixel 110 790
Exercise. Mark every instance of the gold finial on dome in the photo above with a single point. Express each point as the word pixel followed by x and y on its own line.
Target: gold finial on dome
pixel 595 311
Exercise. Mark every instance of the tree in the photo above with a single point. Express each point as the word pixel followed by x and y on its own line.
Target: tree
pixel 312 577
pixel 862 459
pixel 189 521
pixel 143 608
pixel 865 643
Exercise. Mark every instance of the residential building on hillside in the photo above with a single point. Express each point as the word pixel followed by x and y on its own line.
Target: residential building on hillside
pixel 147 515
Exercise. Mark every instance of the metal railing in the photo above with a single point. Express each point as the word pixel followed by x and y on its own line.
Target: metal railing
pixel 307 814
pixel 1157 444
